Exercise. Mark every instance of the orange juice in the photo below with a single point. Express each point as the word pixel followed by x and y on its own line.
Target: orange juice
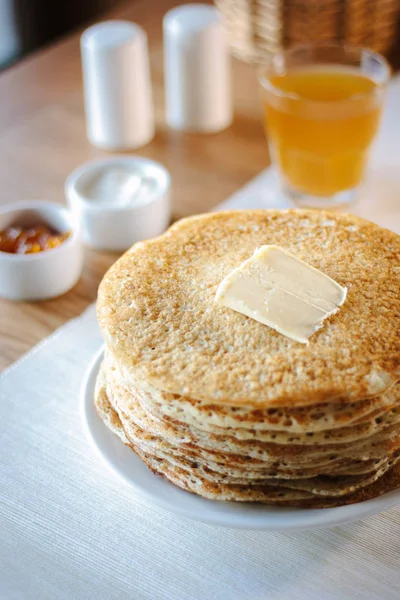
pixel 320 121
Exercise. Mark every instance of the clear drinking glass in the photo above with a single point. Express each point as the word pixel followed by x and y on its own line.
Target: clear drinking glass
pixel 322 105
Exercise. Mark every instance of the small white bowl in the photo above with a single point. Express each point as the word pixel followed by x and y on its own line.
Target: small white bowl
pixel 112 227
pixel 44 274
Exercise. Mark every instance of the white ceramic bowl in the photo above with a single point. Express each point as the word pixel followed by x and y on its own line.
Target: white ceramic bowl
pixel 43 274
pixel 113 227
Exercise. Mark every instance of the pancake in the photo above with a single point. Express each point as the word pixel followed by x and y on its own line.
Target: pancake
pixel 225 407
pixel 226 454
pixel 214 417
pixel 134 404
pixel 265 493
pixel 157 312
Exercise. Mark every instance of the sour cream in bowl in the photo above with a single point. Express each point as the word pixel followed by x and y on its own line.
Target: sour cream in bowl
pixel 120 201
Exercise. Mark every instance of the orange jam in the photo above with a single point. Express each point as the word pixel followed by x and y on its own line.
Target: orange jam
pixel 16 239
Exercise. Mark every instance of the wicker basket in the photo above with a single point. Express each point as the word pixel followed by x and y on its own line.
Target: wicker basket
pixel 260 28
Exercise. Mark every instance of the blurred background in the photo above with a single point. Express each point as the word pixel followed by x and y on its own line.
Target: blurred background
pixel 254 25
pixel 26 25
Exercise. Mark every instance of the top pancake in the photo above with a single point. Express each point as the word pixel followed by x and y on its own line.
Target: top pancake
pixel 157 311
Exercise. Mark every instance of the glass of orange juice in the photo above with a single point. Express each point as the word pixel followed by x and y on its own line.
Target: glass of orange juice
pixel 322 105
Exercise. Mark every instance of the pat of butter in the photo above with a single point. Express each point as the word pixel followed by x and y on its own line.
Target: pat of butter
pixel 281 291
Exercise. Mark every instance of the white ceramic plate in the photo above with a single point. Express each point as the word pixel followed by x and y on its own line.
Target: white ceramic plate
pixel 134 472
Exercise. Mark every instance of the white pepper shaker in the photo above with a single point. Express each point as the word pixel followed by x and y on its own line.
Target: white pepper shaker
pixel 117 85
pixel 197 69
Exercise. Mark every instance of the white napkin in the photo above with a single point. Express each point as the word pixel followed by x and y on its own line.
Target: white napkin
pixel 69 529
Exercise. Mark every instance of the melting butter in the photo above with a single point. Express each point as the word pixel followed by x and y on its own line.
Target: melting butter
pixel 281 291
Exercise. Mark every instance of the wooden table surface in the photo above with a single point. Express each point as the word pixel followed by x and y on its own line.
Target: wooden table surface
pixel 42 138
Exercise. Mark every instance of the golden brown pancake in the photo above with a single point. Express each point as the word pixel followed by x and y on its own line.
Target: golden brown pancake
pixel 157 311
pixel 268 493
pixel 224 406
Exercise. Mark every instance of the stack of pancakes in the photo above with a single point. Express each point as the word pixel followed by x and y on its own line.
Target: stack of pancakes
pixel 226 407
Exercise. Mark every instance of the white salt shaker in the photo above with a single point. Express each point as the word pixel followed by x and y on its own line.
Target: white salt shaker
pixel 117 85
pixel 197 69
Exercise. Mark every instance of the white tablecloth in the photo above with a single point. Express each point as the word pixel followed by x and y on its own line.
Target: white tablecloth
pixel 71 530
